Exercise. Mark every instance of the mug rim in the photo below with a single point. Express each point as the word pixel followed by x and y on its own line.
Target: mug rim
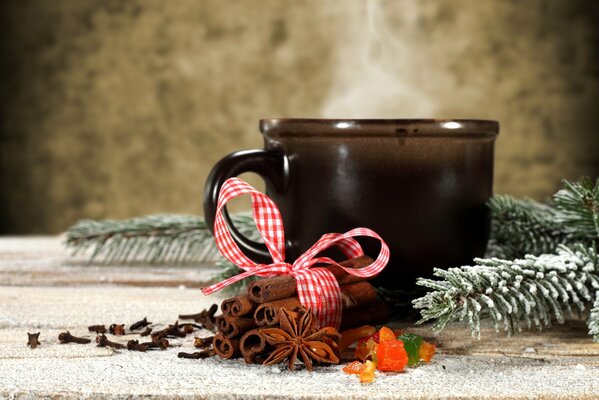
pixel 379 127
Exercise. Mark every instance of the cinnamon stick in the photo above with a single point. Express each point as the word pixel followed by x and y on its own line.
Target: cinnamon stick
pixel 238 306
pixel 221 323
pixel 267 314
pixel 345 278
pixel 270 289
pixel 252 345
pixel 235 326
pixel 371 314
pixel 281 287
pixel 353 295
pixel 224 347
pixel 358 294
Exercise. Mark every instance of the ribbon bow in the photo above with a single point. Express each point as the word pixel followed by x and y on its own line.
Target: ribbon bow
pixel 317 288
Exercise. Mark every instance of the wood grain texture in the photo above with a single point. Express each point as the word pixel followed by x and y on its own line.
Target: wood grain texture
pixel 560 341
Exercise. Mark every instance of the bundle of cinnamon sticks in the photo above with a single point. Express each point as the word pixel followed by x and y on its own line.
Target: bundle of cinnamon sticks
pixel 243 317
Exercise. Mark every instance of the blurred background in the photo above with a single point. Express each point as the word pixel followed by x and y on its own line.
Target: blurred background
pixel 115 109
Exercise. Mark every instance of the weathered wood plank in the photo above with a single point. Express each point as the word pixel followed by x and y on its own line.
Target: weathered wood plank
pixel 42 290
pixel 43 261
pixel 559 341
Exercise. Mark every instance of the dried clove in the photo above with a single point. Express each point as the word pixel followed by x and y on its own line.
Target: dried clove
pixel 202 314
pixel 174 330
pixel 33 340
pixel 198 355
pixel 161 344
pixel 140 324
pixel 134 345
pixel 209 323
pixel 117 329
pixel 187 326
pixel 170 331
pixel 146 332
pixel 205 317
pixel 66 337
pixel 97 328
pixel 159 335
pixel 103 341
pixel 203 343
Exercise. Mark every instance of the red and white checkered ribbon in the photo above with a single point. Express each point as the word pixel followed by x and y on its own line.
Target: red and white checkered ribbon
pixel 317 288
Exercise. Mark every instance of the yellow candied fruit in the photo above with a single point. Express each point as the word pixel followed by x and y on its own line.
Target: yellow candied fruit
pixel 367 375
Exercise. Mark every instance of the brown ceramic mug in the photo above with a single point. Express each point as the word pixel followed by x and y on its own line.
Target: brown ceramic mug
pixel 420 184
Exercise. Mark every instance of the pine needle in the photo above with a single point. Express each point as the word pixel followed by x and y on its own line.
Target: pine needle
pixel 593 321
pixel 536 290
pixel 522 226
pixel 578 205
pixel 153 239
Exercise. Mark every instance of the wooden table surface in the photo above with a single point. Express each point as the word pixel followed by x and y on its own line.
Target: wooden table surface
pixel 43 289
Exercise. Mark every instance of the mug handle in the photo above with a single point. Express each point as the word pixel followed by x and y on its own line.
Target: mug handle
pixel 270 165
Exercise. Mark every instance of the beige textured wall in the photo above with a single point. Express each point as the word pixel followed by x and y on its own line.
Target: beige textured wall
pixel 112 109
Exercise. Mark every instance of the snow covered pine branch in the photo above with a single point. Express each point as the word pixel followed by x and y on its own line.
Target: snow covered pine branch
pixel 524 226
pixel 534 290
pixel 154 239
pixel 593 320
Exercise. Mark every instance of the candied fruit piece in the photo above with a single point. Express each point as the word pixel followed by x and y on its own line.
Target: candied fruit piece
pixel 367 375
pixel 376 336
pixel 386 334
pixel 391 356
pixel 412 343
pixel 351 335
pixel 427 351
pixel 354 367
pixel 365 350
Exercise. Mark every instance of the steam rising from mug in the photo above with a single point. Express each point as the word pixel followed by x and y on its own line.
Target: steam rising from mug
pixel 377 73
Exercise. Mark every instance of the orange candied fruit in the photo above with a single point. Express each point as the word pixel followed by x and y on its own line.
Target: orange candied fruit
pixel 351 335
pixel 354 367
pixel 365 350
pixel 391 356
pixel 386 334
pixel 427 351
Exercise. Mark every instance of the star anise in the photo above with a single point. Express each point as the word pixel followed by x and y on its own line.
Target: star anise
pixel 298 335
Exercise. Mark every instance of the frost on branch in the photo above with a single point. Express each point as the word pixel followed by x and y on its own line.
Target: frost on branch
pixel 535 290
pixel 593 321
